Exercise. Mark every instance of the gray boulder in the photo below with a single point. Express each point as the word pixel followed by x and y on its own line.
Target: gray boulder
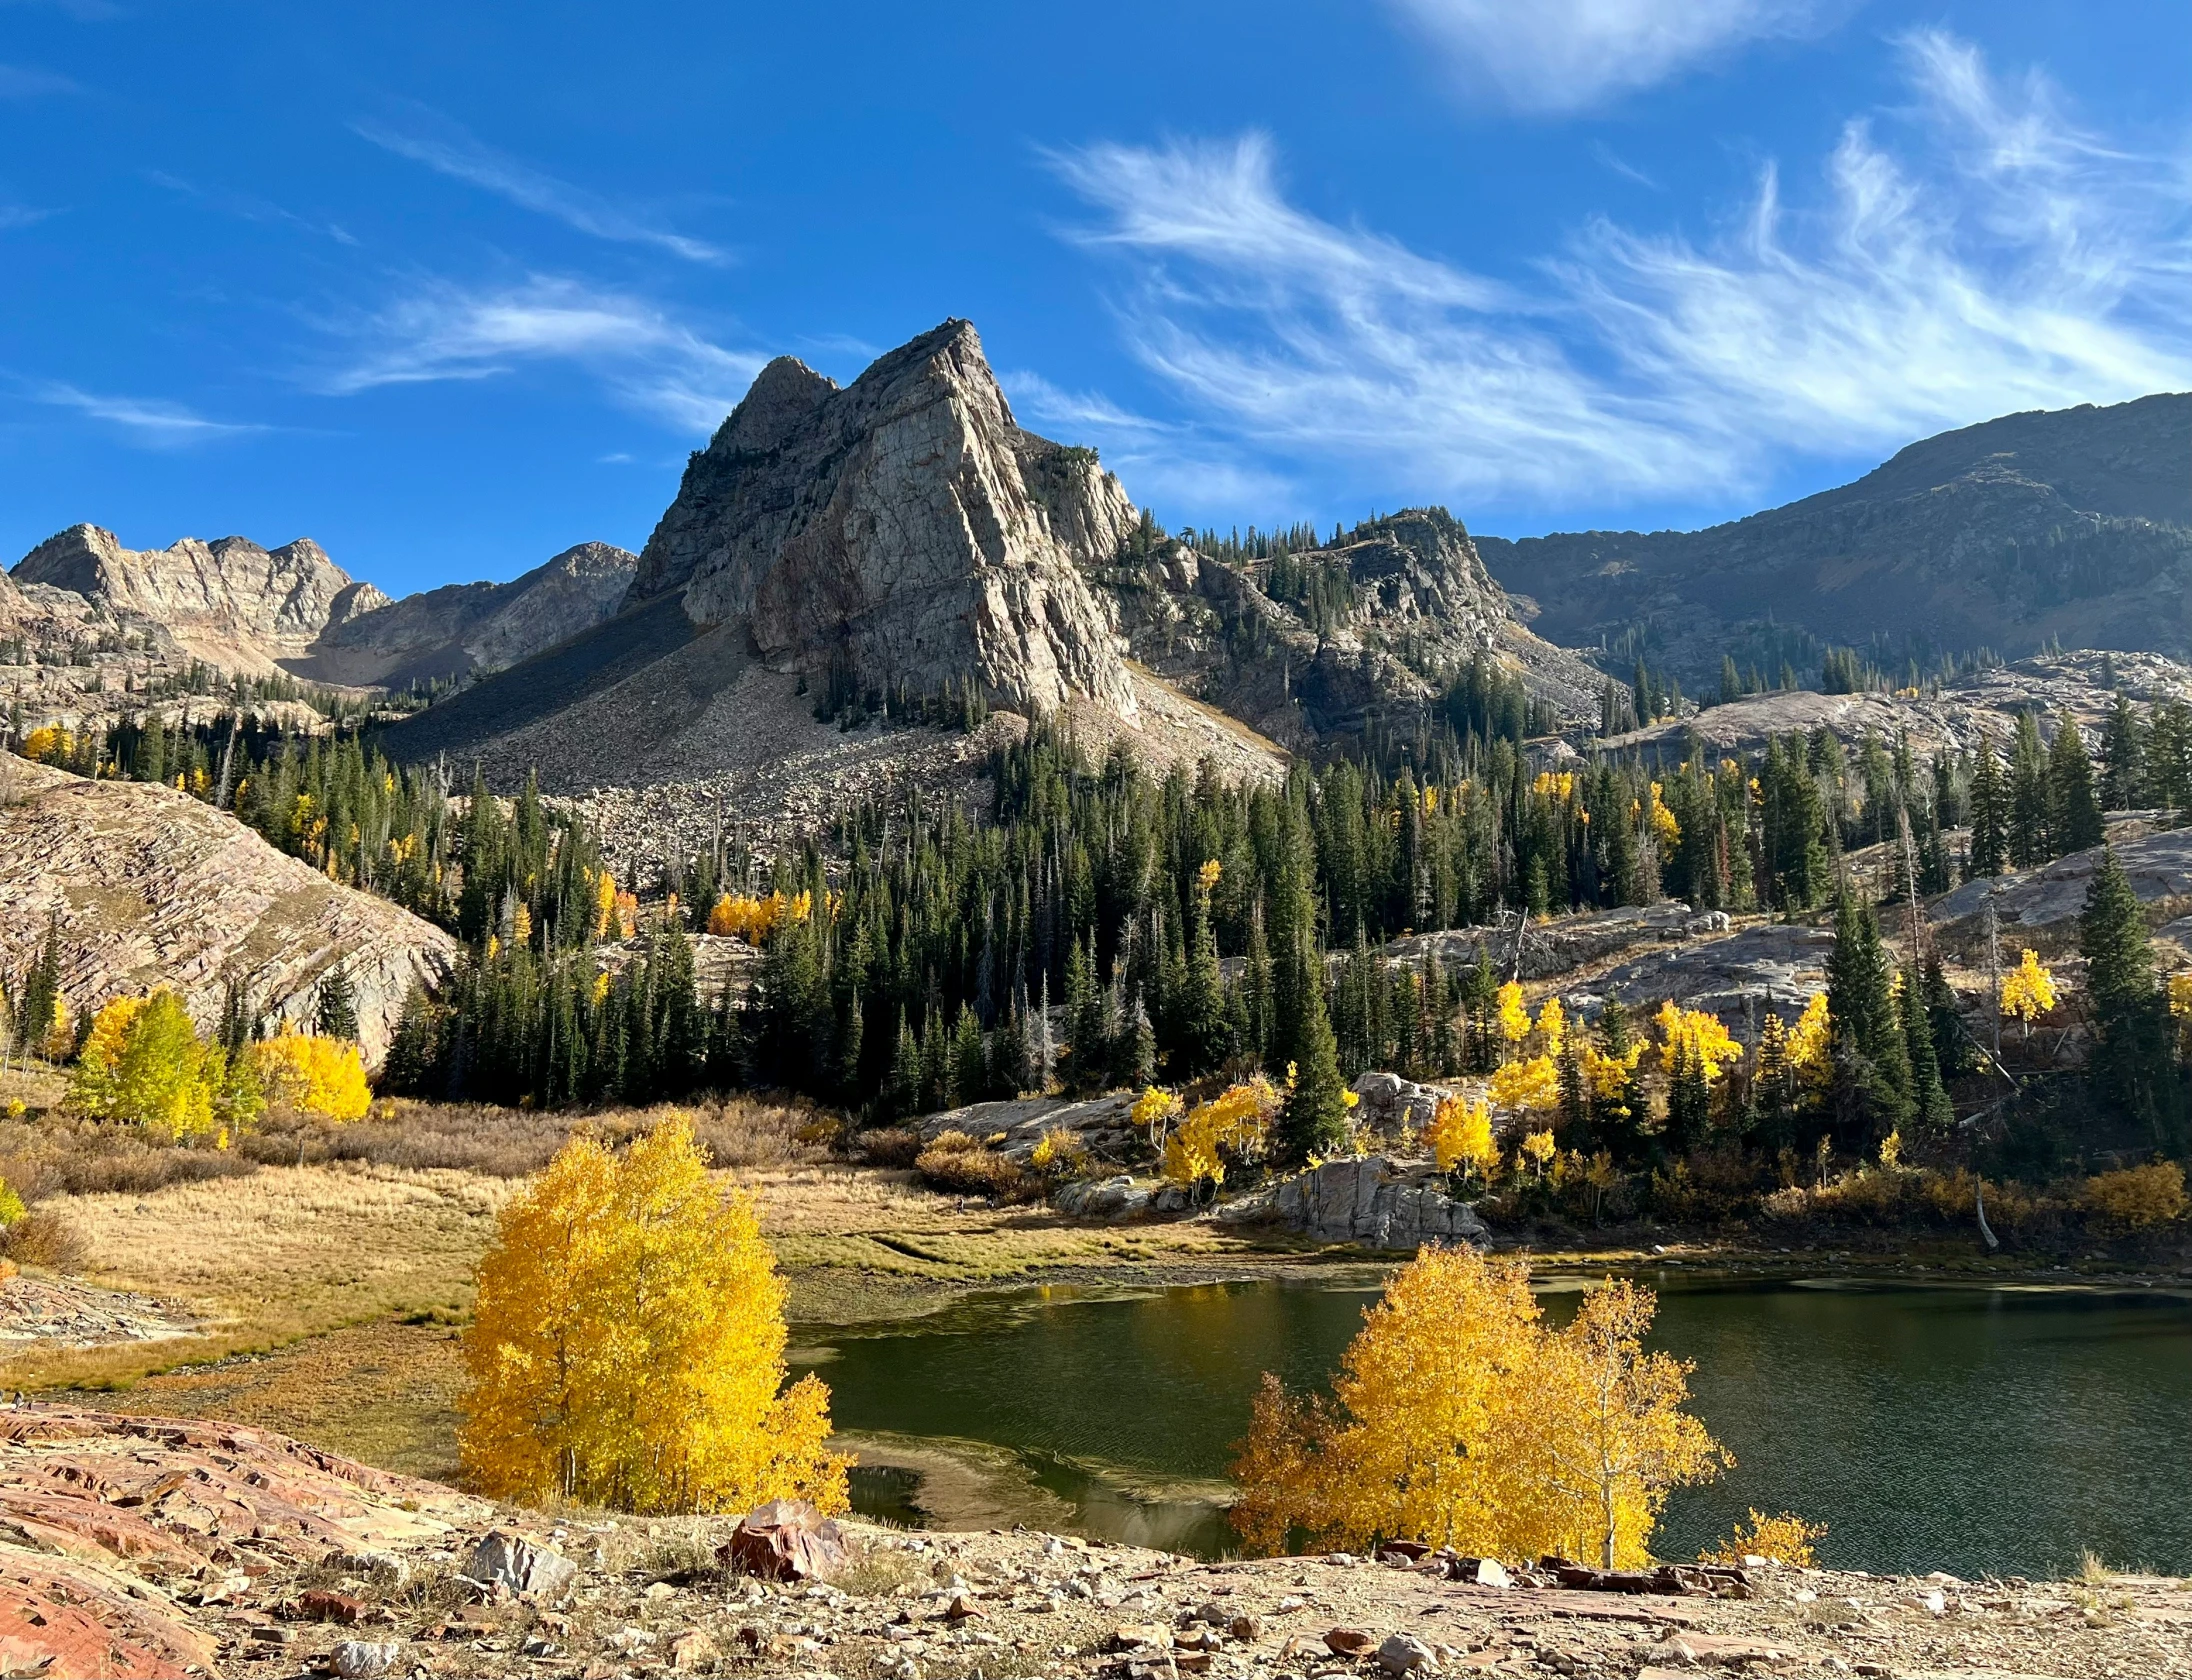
pixel 1374 1200
pixel 511 1561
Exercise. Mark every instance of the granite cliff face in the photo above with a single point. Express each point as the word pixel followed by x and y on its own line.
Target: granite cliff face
pixel 150 887
pixel 902 530
pixel 2072 526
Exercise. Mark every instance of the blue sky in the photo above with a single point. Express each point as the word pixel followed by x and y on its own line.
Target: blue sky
pixel 450 288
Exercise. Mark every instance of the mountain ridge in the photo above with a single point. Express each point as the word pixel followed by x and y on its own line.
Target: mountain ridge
pixel 2066 525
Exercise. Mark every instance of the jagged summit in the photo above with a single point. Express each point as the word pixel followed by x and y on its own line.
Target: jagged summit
pixel 902 528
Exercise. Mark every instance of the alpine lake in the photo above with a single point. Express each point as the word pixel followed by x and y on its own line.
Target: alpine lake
pixel 1997 1429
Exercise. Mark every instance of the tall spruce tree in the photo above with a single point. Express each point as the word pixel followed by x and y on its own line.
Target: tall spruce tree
pixel 2074 814
pixel 335 1012
pixel 1989 814
pixel 1871 1094
pixel 2132 1069
pixel 2028 796
pixel 2123 776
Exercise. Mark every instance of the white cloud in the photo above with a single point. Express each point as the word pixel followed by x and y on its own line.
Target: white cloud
pixel 648 361
pixel 449 149
pixel 22 215
pixel 1564 55
pixel 144 420
pixel 2000 258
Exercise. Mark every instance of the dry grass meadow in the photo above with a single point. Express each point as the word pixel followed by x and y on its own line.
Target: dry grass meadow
pixel 328 1271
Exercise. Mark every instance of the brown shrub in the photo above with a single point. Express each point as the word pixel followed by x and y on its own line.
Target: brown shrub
pixel 890 1146
pixel 958 1163
pixel 46 1239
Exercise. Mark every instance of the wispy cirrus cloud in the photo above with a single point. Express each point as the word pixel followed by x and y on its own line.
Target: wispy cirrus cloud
pixel 1999 256
pixel 245 207
pixel 143 420
pixel 24 82
pixel 647 360
pixel 427 137
pixel 1567 55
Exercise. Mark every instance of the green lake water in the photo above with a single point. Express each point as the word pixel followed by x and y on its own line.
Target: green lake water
pixel 1995 1430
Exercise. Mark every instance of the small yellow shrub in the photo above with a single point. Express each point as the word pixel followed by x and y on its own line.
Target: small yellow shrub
pixel 1233 1126
pixel 2138 1198
pixel 1786 1539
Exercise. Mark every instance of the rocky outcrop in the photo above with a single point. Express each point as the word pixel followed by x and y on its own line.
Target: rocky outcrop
pixel 902 531
pixel 109 1524
pixel 1406 606
pixel 2073 526
pixel 1956 717
pixel 1378 1201
pixel 252 611
pixel 149 887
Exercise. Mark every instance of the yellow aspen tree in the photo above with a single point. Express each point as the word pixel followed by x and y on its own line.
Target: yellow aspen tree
pixel 1619 1439
pixel 2028 992
pixel 627 1346
pixel 1531 1085
pixel 1460 1135
pixel 313 1075
pixel 1418 1440
pixel 1514 1014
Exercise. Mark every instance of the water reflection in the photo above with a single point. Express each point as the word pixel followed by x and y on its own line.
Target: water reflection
pixel 1974 1430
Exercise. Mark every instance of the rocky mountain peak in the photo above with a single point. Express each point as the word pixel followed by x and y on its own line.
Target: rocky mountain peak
pixel 902 528
pixel 226 593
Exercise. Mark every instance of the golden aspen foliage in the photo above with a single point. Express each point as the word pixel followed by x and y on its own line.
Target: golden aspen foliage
pixel 50 744
pixel 314 1075
pixel 1701 1034
pixel 142 1065
pixel 1514 1014
pixel 1460 1135
pixel 627 1347
pixel 2138 1198
pixel 1607 1075
pixel 1233 1126
pixel 1416 1441
pixel 1154 1111
pixel 1891 1148
pixel 1539 1149
pixel 1552 1026
pixel 605 903
pixel 1531 1085
pixel 1787 1539
pixel 1458 1418
pixel 754 919
pixel 1809 1045
pixel 1207 876
pixel 1621 1439
pixel 2028 991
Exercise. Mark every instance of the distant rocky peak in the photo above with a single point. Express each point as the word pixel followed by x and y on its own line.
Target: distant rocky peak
pixel 902 531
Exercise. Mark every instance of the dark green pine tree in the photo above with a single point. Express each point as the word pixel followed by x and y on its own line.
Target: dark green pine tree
pixel 851 1048
pixel 1202 1038
pixel 902 1090
pixel 936 1069
pixel 1314 1121
pixel 1953 1052
pixel 970 1067
pixel 2132 1068
pixel 1086 1051
pixel 1689 1105
pixel 1871 1091
pixel 1137 1047
pixel 2028 796
pixel 1009 1071
pixel 2074 813
pixel 41 991
pixel 1932 1114
pixel 335 1012
pixel 2123 776
pixel 412 1052
pixel 1989 815
pixel 1256 989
